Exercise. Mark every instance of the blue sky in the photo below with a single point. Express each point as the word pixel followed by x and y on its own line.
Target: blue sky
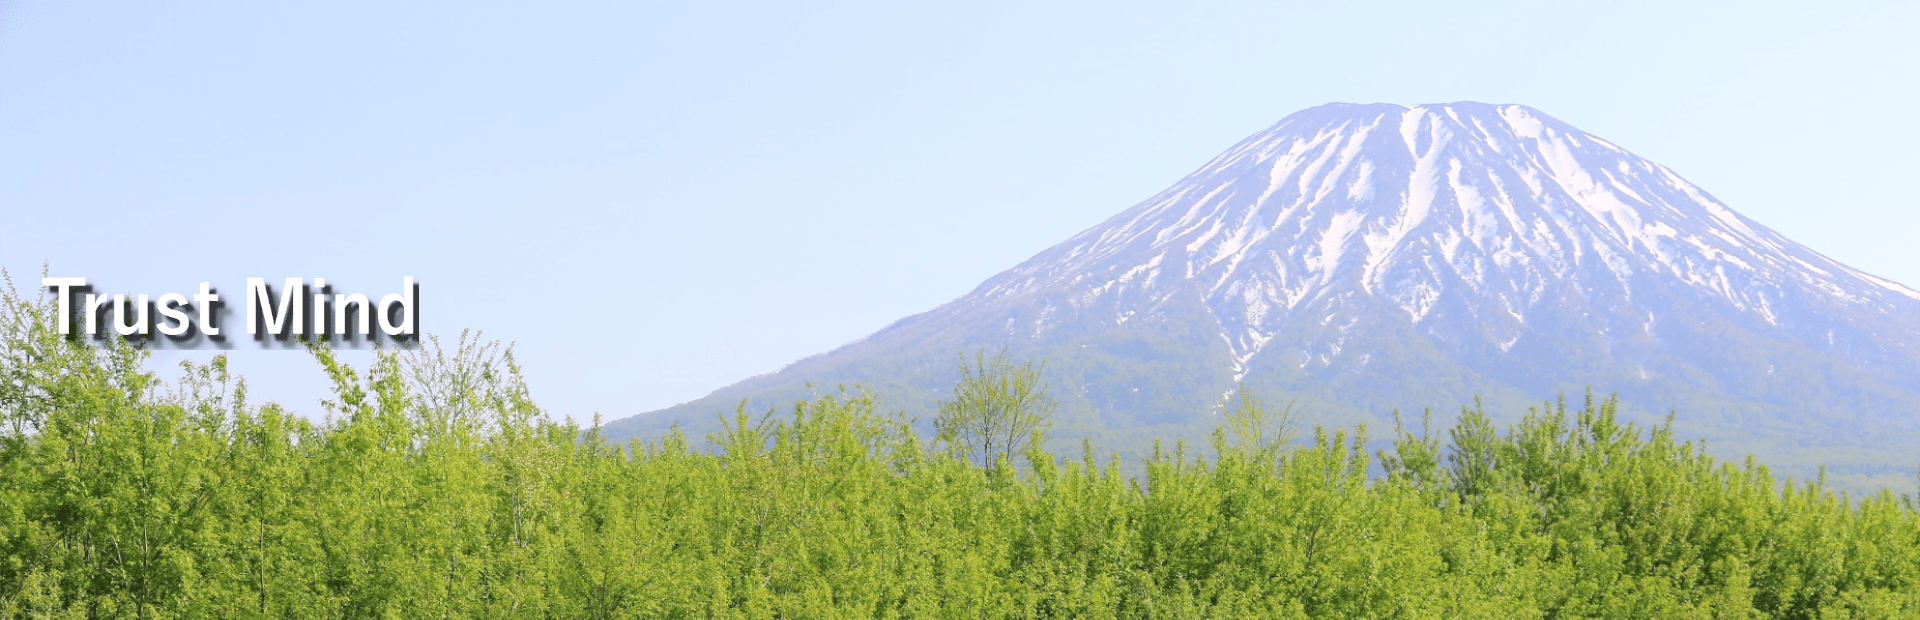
pixel 654 200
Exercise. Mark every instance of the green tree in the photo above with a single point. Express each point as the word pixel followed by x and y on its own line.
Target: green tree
pixel 998 408
pixel 1257 425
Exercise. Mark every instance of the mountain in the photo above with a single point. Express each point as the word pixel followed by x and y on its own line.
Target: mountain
pixel 1366 258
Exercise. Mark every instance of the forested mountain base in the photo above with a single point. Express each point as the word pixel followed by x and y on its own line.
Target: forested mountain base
pixel 434 487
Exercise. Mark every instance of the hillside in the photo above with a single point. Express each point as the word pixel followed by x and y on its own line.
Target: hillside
pixel 1367 258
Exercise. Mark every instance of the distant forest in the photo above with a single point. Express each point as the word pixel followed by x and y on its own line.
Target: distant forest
pixel 434 486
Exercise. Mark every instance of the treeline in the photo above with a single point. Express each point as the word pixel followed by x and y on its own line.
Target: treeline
pixel 435 487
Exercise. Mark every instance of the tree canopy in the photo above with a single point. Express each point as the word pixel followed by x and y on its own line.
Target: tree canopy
pixel 435 486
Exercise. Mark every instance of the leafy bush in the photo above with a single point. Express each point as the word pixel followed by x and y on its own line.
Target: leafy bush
pixel 434 486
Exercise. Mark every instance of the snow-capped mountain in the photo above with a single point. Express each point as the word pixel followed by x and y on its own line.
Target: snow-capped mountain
pixel 1372 257
pixel 1464 218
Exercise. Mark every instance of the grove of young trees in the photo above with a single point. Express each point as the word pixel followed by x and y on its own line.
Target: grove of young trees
pixel 432 485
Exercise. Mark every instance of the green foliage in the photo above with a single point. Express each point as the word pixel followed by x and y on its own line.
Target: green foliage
pixel 435 487
pixel 998 408
pixel 1253 424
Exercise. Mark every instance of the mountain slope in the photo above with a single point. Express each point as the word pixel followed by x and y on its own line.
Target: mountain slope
pixel 1373 257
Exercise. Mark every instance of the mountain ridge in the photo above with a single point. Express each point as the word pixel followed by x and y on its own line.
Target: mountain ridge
pixel 1362 253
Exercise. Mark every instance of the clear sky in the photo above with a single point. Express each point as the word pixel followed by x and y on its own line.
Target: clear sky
pixel 655 200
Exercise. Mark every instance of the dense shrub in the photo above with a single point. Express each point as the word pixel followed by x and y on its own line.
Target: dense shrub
pixel 434 486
